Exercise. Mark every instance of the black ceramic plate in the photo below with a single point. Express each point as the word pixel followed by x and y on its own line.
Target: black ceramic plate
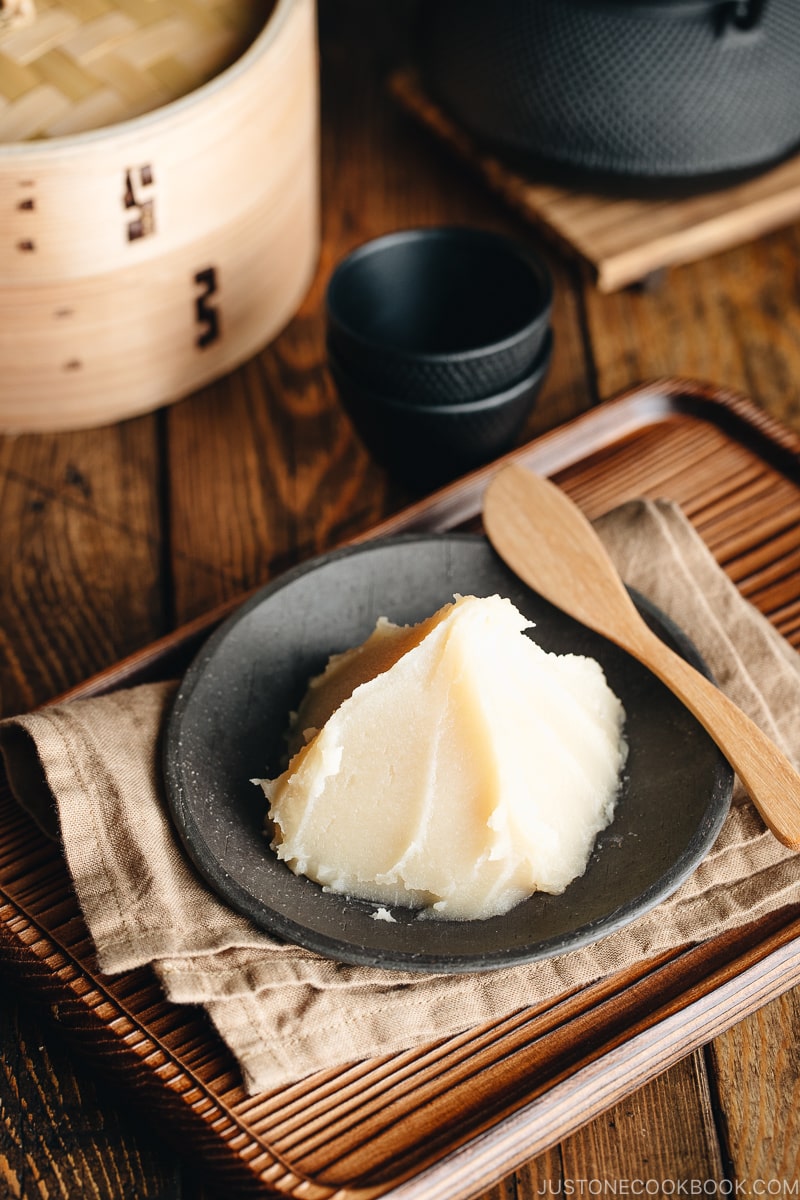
pixel 230 713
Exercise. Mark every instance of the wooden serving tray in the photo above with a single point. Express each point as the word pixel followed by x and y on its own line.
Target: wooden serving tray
pixel 451 1118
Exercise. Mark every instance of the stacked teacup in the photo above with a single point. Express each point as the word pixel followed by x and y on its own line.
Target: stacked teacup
pixel 439 341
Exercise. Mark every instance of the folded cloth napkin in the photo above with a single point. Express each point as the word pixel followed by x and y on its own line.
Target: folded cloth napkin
pixel 284 1011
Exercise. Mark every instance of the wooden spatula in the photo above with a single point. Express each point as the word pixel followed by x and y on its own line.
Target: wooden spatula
pixel 547 541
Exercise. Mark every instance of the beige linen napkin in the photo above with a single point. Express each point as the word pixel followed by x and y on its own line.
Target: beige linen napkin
pixel 285 1012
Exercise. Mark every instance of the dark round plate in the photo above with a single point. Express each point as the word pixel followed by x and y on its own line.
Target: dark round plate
pixel 227 725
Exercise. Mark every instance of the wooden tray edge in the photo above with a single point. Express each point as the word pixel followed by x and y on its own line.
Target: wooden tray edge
pixel 594 1088
pixel 84 1008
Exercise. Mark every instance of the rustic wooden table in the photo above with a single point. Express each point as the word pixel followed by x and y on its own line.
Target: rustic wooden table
pixel 114 536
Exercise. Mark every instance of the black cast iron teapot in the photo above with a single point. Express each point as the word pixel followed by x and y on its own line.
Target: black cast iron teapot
pixel 649 89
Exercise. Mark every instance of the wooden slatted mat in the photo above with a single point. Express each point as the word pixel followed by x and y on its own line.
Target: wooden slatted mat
pixel 622 239
pixel 452 1117
pixel 67 66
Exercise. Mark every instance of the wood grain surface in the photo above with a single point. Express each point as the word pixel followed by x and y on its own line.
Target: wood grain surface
pixel 111 537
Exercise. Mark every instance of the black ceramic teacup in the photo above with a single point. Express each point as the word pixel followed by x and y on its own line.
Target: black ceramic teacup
pixel 426 445
pixel 439 315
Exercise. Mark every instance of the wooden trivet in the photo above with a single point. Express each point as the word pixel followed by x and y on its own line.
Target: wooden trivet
pixel 623 239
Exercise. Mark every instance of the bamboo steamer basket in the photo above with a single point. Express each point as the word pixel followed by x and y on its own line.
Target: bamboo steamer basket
pixel 159 194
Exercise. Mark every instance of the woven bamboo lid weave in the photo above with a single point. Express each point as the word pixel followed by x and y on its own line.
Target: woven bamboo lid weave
pixel 67 66
pixel 159 197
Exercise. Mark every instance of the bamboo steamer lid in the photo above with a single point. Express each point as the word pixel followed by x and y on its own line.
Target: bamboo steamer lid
pixel 159 196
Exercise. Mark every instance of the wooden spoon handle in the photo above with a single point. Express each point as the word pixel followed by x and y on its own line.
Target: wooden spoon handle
pixel 768 777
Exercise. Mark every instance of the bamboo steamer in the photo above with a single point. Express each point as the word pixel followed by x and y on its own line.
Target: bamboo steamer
pixel 159 198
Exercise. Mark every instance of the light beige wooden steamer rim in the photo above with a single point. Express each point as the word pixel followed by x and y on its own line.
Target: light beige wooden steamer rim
pixel 141 260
